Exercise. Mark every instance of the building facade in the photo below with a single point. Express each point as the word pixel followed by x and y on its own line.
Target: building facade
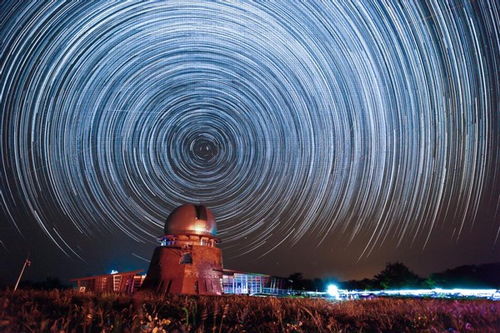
pixel 243 283
pixel 187 261
pixel 126 282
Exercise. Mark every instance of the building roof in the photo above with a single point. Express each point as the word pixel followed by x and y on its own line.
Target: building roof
pixel 136 272
pixel 191 219
pixel 227 271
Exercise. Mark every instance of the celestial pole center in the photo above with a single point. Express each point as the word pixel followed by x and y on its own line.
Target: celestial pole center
pixel 370 120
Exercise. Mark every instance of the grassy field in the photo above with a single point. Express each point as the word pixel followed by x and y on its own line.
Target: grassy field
pixel 68 311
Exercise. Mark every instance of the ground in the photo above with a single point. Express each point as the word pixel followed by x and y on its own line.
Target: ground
pixel 69 311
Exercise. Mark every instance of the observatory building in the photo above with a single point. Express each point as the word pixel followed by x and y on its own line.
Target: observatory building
pixel 188 260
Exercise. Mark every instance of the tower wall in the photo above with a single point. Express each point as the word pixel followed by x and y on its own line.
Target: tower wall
pixel 193 269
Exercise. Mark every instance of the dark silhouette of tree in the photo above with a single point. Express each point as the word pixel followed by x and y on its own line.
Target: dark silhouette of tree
pixel 50 283
pixel 469 276
pixel 319 284
pixel 296 281
pixel 365 284
pixel 397 275
pixel 430 283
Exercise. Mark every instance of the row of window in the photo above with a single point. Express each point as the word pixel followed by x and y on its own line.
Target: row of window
pixel 202 242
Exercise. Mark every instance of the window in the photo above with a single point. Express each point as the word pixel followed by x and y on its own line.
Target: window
pixel 186 258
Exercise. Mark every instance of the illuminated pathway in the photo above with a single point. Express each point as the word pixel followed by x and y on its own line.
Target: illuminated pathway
pixel 333 292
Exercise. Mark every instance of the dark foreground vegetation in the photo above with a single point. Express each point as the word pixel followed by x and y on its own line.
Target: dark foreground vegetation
pixel 69 311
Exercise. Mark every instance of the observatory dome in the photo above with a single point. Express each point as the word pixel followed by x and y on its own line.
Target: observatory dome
pixel 191 219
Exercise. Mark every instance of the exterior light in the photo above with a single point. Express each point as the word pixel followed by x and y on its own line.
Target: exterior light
pixel 332 291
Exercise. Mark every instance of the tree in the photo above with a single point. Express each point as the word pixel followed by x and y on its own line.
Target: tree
pixel 365 284
pixel 297 281
pixel 469 276
pixel 319 284
pixel 430 282
pixel 50 283
pixel 397 275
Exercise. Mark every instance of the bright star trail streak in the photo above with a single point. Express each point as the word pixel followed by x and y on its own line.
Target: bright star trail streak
pixel 375 118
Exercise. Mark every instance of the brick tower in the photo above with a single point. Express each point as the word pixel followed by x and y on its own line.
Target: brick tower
pixel 187 261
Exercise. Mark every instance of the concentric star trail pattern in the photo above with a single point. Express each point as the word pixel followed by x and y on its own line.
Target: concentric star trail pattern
pixel 374 119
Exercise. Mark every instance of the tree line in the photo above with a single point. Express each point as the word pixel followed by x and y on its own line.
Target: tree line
pixel 397 275
pixel 394 276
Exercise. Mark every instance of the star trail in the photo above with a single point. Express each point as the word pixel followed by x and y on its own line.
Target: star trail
pixel 374 121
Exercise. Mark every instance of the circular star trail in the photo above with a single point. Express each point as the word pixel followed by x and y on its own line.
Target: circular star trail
pixel 359 118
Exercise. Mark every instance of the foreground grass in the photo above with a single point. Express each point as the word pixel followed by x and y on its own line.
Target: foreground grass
pixel 69 311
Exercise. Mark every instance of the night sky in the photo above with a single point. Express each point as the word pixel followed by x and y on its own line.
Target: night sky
pixel 327 139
